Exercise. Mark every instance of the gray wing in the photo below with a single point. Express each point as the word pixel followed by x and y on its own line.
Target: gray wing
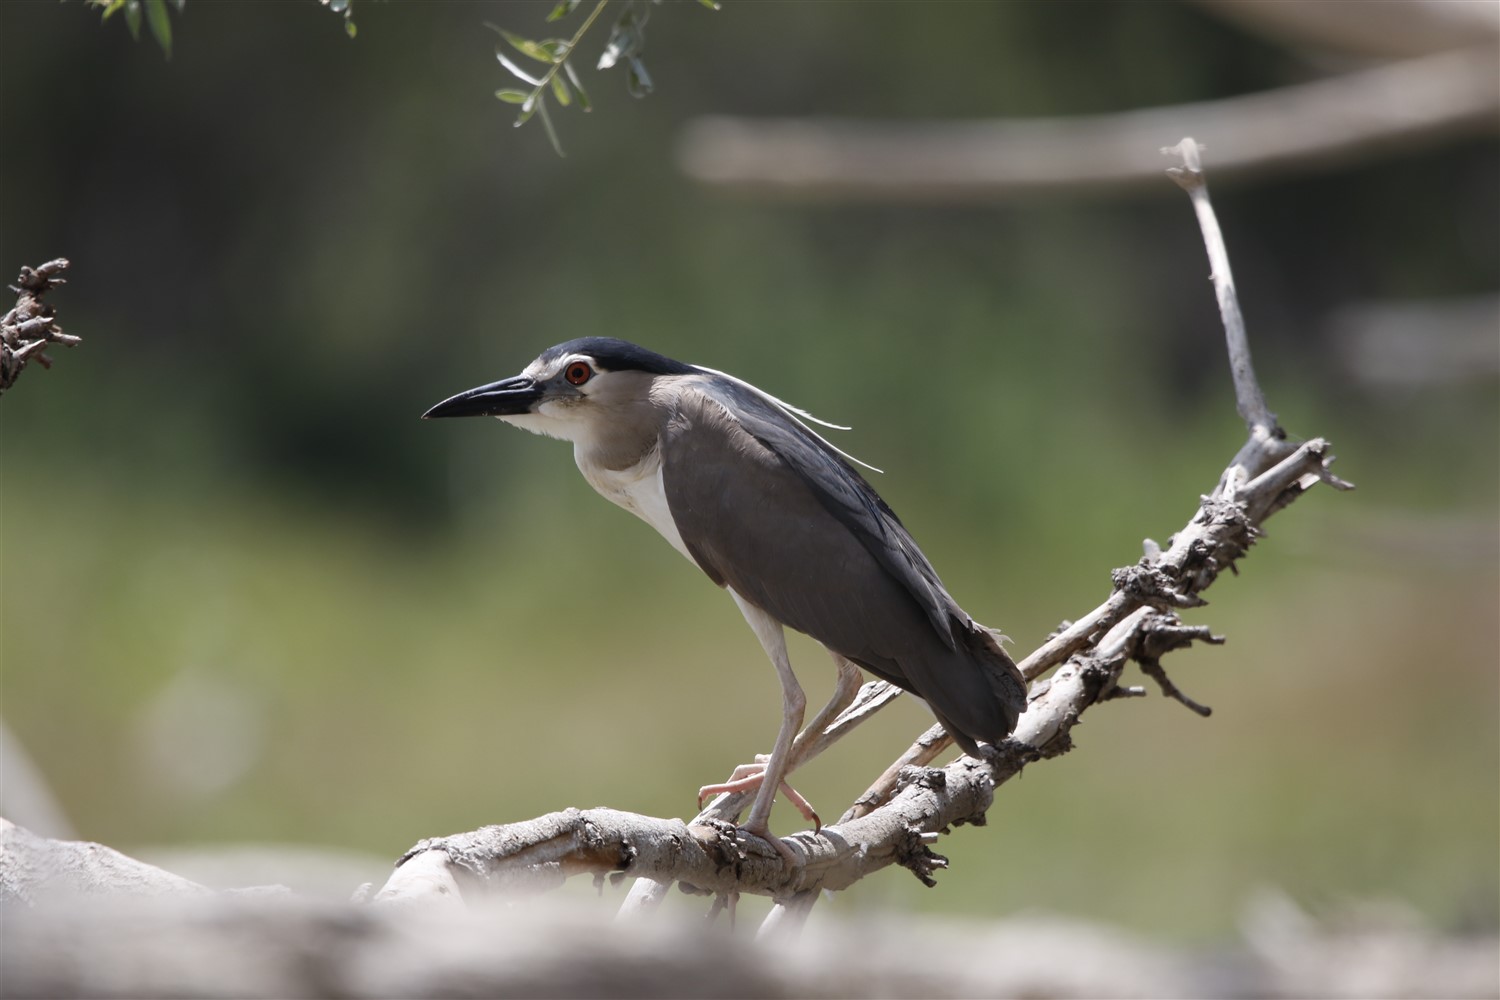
pixel 839 489
pixel 767 508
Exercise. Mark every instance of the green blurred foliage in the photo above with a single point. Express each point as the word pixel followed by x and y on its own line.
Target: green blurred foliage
pixel 249 596
pixel 153 12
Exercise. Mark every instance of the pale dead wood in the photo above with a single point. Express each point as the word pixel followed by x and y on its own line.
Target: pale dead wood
pixel 1251 401
pixel 34 868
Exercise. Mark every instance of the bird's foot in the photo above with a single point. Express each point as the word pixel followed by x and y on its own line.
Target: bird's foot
pixel 748 778
pixel 763 831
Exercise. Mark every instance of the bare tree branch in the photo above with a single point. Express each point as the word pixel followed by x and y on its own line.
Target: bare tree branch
pixel 1403 105
pixel 1252 402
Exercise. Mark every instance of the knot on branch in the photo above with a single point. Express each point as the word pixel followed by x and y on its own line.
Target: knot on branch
pixel 1161 634
pixel 593 841
pixel 1220 532
pixel 1151 584
pixel 27 329
pixel 721 839
pixel 1236 528
pixel 1098 674
pixel 932 778
pixel 913 854
pixel 1010 757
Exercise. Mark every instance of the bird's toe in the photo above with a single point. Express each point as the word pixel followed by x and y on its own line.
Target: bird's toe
pixel 763 831
pixel 744 778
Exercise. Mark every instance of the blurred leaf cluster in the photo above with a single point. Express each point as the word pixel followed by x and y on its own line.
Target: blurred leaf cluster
pixel 154 12
pixel 346 9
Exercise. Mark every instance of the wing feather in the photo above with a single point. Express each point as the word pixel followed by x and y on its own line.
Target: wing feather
pixel 842 492
pixel 860 587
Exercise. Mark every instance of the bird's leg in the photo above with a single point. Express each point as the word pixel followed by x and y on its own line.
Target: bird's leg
pixel 793 705
pixel 746 777
pixel 844 691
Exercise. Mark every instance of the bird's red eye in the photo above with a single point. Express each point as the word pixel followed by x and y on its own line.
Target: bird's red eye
pixel 578 373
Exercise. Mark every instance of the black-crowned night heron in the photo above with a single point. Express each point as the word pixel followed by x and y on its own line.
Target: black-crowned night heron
pixel 738 483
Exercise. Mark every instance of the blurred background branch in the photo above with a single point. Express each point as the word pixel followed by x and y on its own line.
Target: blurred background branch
pixel 1418 102
pixel 1366 29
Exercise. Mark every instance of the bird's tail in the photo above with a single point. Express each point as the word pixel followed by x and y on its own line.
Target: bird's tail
pixel 994 693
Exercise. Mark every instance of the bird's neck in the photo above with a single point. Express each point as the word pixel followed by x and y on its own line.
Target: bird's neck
pixel 615 445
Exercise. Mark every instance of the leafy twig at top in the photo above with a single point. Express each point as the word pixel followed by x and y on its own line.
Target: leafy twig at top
pixel 627 39
pixel 156 18
pixel 555 52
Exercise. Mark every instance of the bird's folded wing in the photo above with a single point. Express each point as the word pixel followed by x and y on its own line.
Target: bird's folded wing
pixel 746 482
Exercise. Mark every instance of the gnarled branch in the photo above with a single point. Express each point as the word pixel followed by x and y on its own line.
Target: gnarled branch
pixel 899 818
pixel 28 328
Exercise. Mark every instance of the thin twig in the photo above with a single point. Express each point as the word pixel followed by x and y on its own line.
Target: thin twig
pixel 1247 392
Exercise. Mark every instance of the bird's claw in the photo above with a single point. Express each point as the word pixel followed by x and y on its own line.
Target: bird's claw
pixel 748 777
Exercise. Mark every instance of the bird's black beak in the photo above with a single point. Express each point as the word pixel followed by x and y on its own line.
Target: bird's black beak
pixel 507 397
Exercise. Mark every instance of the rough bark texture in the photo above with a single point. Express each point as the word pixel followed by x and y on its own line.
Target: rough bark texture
pixel 27 329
